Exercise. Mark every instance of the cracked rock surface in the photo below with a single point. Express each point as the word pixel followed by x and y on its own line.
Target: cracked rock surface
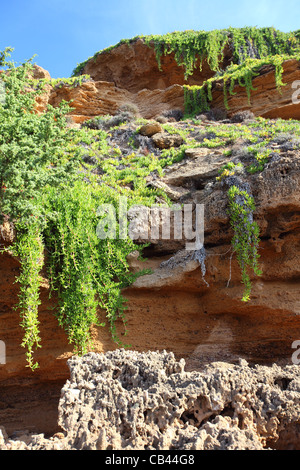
pixel 132 401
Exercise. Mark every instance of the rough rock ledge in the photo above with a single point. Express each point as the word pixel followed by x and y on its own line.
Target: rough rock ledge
pixel 130 401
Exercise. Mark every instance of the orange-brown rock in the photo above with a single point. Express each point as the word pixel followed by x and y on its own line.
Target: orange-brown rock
pixel 99 98
pixel 175 308
pixel 166 141
pixel 150 129
pixel 95 98
pixel 266 100
pixel 38 73
pixel 134 67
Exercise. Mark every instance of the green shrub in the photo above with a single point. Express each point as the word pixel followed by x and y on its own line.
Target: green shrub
pixel 52 198
pixel 53 204
pixel 191 48
pixel 246 233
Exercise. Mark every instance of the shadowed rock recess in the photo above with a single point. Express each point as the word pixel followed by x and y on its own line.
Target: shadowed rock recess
pixel 204 370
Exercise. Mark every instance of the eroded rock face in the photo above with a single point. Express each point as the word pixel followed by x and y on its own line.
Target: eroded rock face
pixel 118 79
pixel 134 67
pixel 98 98
pixel 131 401
pixel 200 318
pixel 260 331
pixel 266 100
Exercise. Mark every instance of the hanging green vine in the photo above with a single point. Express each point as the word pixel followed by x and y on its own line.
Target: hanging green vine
pixel 29 249
pixel 197 98
pixel 87 272
pixel 52 199
pixel 246 234
pixel 191 48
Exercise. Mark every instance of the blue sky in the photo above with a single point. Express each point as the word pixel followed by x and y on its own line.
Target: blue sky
pixel 65 32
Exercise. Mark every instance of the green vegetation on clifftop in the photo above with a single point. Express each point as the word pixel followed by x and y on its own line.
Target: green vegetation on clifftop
pixel 191 48
pixel 54 178
pixel 247 50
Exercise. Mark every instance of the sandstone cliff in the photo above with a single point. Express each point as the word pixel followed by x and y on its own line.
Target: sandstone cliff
pixel 182 308
pixel 130 401
pixel 199 318
pixel 130 74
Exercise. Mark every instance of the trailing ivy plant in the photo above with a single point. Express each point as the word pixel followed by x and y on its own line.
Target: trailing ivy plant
pixel 191 48
pixel 87 272
pixel 29 248
pixel 52 200
pixel 241 207
pixel 198 98
pixel 246 234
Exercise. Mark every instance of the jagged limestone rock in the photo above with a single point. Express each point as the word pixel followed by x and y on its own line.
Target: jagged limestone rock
pixel 129 400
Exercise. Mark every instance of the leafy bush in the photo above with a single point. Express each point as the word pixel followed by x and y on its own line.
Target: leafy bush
pixel 107 122
pixel 31 155
pixel 53 204
pixel 216 114
pixel 175 114
pixel 242 116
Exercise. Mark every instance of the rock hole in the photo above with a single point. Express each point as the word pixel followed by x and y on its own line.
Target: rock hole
pixel 283 383
pixel 91 426
pixel 284 173
pixel 241 422
pixel 125 429
pixel 199 413
pixel 188 417
pixel 116 374
pixel 198 185
pixel 228 411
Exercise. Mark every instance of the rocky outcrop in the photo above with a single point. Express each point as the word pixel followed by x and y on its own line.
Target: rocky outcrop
pixel 97 98
pixel 214 313
pixel 129 73
pixel 130 401
pixel 196 313
pixel 266 100
pixel 153 96
pixel 134 67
